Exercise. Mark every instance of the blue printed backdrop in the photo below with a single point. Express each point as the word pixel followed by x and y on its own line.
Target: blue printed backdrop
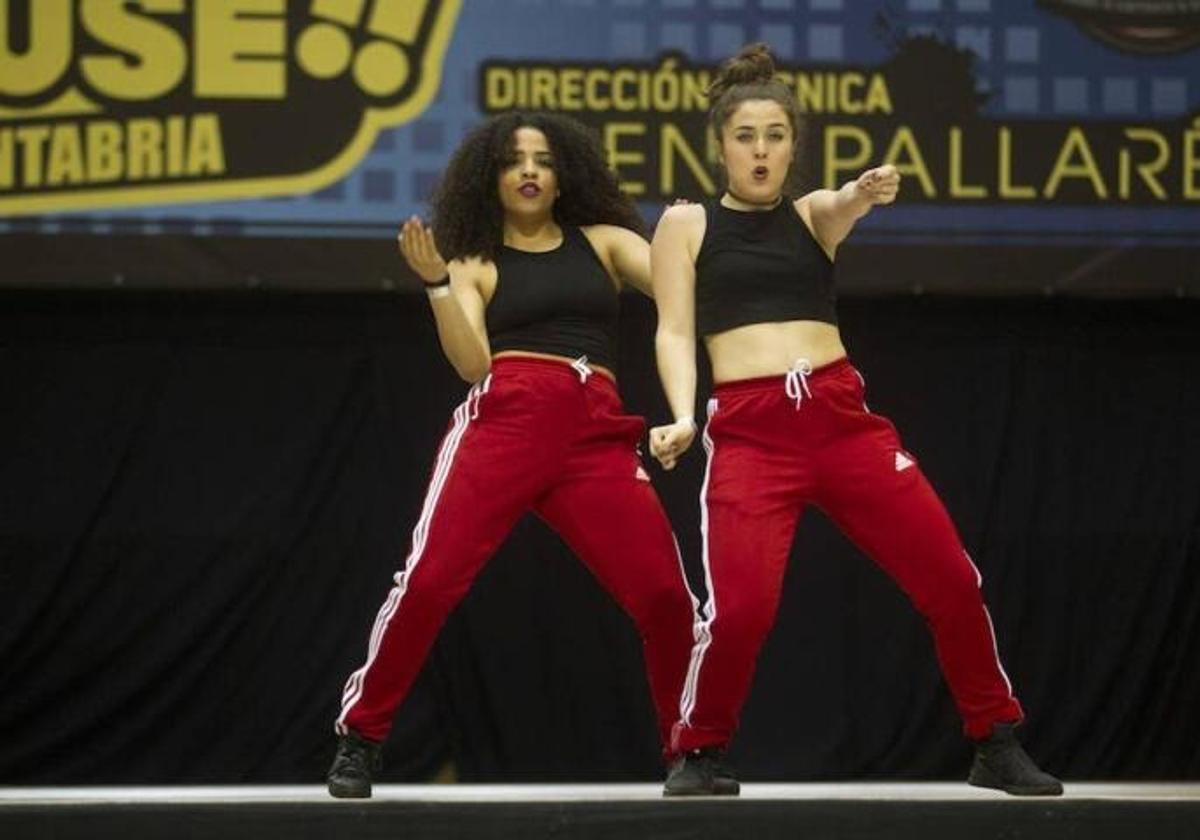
pixel 1031 63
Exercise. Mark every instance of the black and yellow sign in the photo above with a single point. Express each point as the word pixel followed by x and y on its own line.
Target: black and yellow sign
pixel 921 110
pixel 118 102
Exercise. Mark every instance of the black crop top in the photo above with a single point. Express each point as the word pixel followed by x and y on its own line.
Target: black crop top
pixel 760 266
pixel 560 302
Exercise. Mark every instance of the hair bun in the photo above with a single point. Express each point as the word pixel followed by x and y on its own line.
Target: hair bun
pixel 753 64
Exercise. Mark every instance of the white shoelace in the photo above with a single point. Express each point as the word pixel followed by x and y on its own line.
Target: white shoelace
pixel 796 383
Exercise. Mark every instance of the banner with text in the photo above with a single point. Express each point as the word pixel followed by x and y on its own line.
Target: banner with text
pixel 1072 120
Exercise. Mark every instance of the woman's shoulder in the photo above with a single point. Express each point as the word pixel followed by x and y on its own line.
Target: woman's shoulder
pixel 471 269
pixel 685 213
pixel 683 219
pixel 605 237
pixel 607 230
pixel 816 198
pixel 682 226
pixel 804 204
pixel 472 263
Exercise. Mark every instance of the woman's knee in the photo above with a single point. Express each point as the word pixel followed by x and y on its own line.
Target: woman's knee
pixel 665 604
pixel 743 619
pixel 954 589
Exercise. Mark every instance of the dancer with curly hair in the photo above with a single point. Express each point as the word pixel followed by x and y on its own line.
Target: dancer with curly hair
pixel 753 273
pixel 539 240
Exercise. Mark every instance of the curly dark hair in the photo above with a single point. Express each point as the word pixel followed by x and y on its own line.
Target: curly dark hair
pixel 468 219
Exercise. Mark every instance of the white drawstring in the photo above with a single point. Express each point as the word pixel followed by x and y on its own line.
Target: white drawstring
pixel 796 383
pixel 581 367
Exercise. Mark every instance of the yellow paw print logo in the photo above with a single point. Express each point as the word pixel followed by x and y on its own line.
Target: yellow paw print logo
pixel 371 40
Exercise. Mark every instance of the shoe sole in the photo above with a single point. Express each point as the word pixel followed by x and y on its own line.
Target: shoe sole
pixel 347 792
pixel 717 790
pixel 1017 790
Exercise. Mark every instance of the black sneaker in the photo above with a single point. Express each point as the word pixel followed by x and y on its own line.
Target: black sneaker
pixel 350 775
pixel 701 772
pixel 1001 763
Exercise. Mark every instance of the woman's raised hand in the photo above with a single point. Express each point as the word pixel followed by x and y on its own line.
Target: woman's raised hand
pixel 420 251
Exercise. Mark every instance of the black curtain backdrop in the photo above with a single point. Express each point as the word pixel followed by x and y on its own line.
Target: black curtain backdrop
pixel 203 498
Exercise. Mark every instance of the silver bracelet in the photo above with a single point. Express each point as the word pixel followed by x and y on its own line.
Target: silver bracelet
pixel 435 292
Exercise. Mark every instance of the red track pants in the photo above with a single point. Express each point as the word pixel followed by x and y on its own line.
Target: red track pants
pixel 549 437
pixel 776 444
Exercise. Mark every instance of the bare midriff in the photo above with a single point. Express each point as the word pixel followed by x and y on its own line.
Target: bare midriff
pixel 772 348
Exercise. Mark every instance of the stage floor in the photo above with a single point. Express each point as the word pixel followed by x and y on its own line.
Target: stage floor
pixel 640 792
pixel 870 811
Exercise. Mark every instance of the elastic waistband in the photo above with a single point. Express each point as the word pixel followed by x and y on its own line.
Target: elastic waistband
pixel 779 380
pixel 569 368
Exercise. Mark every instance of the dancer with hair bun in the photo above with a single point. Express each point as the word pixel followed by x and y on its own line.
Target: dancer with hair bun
pixel 787 426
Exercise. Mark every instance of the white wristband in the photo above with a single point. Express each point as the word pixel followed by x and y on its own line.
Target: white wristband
pixel 690 420
pixel 435 292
